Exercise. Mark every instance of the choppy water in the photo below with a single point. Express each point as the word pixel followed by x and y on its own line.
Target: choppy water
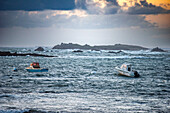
pixel 85 82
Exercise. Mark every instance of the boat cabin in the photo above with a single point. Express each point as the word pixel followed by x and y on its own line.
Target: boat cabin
pixel 127 67
pixel 35 65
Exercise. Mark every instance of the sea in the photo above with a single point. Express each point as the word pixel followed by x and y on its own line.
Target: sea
pixel 85 82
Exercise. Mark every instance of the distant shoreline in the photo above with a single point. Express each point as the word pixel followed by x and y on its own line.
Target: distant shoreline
pixel 101 47
pixel 6 53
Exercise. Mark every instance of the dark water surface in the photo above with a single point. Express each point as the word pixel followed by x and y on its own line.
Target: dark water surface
pixel 85 82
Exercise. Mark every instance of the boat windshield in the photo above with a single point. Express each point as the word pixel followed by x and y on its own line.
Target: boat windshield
pixel 125 66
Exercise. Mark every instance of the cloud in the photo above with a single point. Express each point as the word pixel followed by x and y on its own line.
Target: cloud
pixel 31 19
pixel 75 19
pixel 80 4
pixel 98 6
pixel 90 6
pixel 91 14
pixel 106 7
pixel 36 5
pixel 143 7
pixel 23 19
pixel 111 21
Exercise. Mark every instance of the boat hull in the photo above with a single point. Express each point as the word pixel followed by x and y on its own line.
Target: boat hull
pixel 37 70
pixel 125 73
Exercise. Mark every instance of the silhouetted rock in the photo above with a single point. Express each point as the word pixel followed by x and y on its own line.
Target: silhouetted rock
pixel 157 50
pixel 116 52
pixel 112 52
pixel 120 51
pixel 39 49
pixel 24 54
pixel 120 47
pixel 77 51
pixel 105 47
pixel 34 111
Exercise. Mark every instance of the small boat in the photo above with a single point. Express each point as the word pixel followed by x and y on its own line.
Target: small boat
pixel 126 70
pixel 34 67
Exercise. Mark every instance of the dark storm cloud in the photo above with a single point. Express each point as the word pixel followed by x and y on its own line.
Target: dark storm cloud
pixel 36 5
pixel 112 7
pixel 146 8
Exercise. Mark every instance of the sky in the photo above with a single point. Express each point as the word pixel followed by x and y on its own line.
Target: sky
pixel 30 23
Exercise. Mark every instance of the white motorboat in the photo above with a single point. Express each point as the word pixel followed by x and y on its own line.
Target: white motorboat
pixel 126 70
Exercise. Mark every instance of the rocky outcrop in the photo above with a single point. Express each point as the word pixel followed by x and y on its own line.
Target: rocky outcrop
pixel 104 47
pixel 120 47
pixel 39 49
pixel 157 50
pixel 24 54
pixel 77 51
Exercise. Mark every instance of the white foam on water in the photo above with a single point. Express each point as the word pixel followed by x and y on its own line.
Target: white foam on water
pixel 137 52
pixel 107 57
pixel 144 52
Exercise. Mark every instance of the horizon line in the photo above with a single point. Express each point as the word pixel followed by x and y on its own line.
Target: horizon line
pixel 8 46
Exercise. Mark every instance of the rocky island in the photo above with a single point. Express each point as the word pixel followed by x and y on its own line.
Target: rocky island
pixel 39 49
pixel 71 46
pixel 103 47
pixel 157 49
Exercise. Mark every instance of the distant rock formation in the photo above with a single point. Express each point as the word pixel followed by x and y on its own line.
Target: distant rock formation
pixel 104 47
pixel 157 50
pixel 39 49
pixel 2 53
pixel 77 51
pixel 116 52
pixel 120 47
pixel 71 46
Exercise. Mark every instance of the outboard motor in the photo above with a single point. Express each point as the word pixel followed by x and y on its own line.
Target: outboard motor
pixel 136 74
